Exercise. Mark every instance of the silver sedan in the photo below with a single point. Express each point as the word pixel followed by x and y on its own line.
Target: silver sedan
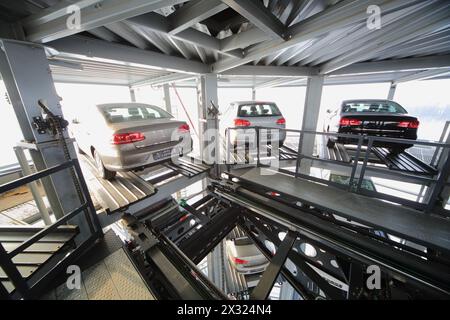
pixel 127 136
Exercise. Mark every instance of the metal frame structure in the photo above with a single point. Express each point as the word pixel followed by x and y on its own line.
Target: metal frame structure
pixel 365 146
pixel 336 270
pixel 269 217
pixel 244 43
pixel 175 40
pixel 33 288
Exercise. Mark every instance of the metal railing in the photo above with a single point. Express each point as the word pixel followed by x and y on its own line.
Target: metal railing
pixel 360 166
pixel 23 288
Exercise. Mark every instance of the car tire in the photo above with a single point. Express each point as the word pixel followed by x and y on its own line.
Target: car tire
pixel 104 173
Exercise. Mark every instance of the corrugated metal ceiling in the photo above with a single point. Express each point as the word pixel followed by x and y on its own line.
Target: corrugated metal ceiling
pixel 418 28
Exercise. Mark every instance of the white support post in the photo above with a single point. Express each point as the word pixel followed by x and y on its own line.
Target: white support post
pixel 132 94
pixel 311 118
pixel 215 265
pixel 208 123
pixel 167 102
pixel 253 93
pixel 392 89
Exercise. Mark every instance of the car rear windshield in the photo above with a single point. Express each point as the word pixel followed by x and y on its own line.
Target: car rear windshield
pixel 373 106
pixel 118 114
pixel 258 110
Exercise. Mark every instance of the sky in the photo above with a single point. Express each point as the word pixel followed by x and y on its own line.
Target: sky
pixel 429 100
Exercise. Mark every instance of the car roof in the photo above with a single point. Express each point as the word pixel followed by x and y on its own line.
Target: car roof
pixel 366 100
pixel 124 104
pixel 240 103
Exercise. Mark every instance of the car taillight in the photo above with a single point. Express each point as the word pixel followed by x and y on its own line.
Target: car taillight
pixel 184 217
pixel 281 121
pixel 184 128
pixel 409 124
pixel 240 261
pixel 241 123
pixel 349 122
pixel 124 138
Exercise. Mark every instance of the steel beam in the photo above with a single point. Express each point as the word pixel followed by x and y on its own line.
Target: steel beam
pixel 193 12
pixel 93 16
pixel 303 263
pixel 156 23
pixel 270 275
pixel 359 36
pixel 408 64
pixel 259 15
pixel 280 82
pixel 105 34
pixel 406 29
pixel 92 48
pixel 55 11
pixel 128 34
pixel 271 71
pixel 170 78
pixel 344 13
pixel 243 39
pixel 423 75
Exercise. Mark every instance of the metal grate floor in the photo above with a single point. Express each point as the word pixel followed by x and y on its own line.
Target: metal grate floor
pixel 113 278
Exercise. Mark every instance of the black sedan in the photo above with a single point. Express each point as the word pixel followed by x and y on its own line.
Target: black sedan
pixel 382 118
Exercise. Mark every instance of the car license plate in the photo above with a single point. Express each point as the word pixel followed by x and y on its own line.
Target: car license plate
pixel 166 153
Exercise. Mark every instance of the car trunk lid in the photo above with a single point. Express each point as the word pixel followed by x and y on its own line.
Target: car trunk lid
pixel 156 131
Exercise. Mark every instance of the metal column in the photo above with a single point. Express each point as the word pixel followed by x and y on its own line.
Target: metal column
pixel 208 122
pixel 167 102
pixel 216 270
pixel 311 117
pixel 27 76
pixel 132 94
pixel 392 89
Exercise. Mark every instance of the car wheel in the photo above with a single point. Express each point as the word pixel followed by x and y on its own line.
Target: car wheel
pixel 104 173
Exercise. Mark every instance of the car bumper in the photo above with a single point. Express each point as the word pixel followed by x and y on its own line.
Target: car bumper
pixel 132 158
pixel 249 137
pixel 409 135
pixel 251 269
